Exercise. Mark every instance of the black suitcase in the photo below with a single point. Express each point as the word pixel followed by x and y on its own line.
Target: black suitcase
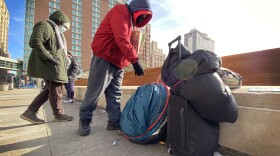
pixel 187 133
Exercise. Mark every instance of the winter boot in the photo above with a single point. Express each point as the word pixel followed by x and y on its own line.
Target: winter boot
pixel 113 126
pixel 31 117
pixel 63 118
pixel 84 127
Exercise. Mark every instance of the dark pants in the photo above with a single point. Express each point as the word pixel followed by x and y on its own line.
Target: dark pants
pixel 106 78
pixel 53 92
pixel 70 89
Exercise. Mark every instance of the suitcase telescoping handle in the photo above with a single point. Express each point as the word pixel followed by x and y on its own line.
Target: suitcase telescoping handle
pixel 179 43
pixel 176 39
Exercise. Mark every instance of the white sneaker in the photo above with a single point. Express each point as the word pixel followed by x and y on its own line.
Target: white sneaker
pixel 217 154
pixel 68 101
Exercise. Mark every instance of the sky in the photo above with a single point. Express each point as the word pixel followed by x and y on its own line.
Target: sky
pixel 236 26
pixel 16 9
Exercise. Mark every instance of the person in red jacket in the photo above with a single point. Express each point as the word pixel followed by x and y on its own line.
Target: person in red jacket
pixel 112 52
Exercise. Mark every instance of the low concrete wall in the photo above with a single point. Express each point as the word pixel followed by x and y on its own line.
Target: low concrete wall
pixel 126 94
pixel 257 129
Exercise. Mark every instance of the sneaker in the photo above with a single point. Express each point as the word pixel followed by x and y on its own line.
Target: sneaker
pixel 217 154
pixel 113 126
pixel 84 127
pixel 68 100
pixel 31 117
pixel 63 118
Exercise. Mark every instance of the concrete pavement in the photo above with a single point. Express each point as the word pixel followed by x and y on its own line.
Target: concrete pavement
pixel 20 137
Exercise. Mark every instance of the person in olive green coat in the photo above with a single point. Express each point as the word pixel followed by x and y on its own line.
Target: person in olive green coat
pixel 48 60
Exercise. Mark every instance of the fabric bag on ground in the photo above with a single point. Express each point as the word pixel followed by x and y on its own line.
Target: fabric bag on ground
pixel 232 79
pixel 145 113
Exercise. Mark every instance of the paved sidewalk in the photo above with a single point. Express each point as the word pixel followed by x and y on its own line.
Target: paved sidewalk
pixel 19 137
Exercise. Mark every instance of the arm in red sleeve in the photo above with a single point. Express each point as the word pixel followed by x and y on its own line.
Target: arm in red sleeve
pixel 121 25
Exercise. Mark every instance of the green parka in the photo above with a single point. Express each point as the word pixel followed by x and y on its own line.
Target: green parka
pixel 44 47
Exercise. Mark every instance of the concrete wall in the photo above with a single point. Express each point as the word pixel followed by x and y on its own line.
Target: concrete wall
pixel 81 90
pixel 257 129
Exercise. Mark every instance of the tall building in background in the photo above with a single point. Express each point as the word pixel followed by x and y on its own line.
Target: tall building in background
pixel 85 16
pixel 157 56
pixel 4 28
pixel 144 54
pixel 195 40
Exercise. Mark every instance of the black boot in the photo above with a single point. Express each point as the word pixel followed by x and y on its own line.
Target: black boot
pixel 84 127
pixel 113 126
pixel 63 118
pixel 31 117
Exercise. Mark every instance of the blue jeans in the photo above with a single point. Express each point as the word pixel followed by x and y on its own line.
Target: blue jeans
pixel 106 78
pixel 70 89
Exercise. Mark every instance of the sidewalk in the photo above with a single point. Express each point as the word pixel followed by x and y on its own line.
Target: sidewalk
pixel 20 137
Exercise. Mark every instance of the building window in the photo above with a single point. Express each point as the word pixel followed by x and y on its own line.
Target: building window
pixel 96 9
pixel 96 3
pixel 55 5
pixel 77 2
pixel 95 16
pixel 77 13
pixel 76 27
pixel 111 3
pixel 77 7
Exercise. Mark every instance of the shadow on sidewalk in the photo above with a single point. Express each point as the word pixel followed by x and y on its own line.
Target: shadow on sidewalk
pixel 64 138
pixel 13 127
pixel 34 147
pixel 3 107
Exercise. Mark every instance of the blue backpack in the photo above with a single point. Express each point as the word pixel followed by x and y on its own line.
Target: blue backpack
pixel 143 119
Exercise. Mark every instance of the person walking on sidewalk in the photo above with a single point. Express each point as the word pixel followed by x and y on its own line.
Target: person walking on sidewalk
pixel 48 60
pixel 112 51
pixel 73 71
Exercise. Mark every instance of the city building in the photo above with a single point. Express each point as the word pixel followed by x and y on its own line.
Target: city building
pixel 195 40
pixel 4 28
pixel 85 16
pixel 144 52
pixel 157 56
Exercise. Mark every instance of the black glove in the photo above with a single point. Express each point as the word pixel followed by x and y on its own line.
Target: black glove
pixel 138 69
pixel 53 61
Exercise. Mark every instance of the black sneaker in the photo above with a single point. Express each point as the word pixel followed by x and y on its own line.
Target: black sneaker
pixel 84 127
pixel 63 118
pixel 113 126
pixel 31 117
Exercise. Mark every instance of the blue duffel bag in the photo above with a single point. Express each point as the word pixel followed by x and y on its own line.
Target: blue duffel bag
pixel 143 118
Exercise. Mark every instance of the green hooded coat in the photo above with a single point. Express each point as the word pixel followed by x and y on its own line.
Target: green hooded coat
pixel 44 47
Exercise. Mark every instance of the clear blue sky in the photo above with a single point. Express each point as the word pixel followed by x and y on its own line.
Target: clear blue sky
pixel 16 27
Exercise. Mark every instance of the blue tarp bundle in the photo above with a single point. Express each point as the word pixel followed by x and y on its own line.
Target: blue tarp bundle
pixel 144 112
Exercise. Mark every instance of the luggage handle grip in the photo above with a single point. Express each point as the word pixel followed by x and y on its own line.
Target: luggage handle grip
pixel 178 38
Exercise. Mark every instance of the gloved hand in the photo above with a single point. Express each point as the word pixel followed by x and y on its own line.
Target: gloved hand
pixel 138 69
pixel 53 61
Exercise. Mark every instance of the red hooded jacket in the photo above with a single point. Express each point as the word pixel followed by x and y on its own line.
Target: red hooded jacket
pixel 112 39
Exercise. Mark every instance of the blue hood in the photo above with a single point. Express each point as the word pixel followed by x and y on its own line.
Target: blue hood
pixel 136 5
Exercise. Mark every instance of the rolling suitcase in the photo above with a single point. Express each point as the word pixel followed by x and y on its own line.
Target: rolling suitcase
pixel 187 133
